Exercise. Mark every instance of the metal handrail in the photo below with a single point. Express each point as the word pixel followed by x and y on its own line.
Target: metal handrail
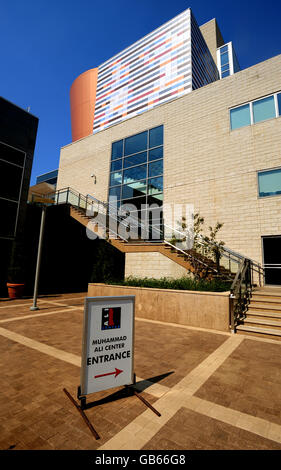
pixel 89 201
pixel 239 297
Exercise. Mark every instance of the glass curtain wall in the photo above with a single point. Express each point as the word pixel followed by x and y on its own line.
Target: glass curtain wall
pixel 11 174
pixel 136 177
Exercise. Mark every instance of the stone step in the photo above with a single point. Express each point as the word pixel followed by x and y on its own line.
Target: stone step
pixel 267 322
pixel 270 333
pixel 264 306
pixel 265 314
pixel 266 299
pixel 274 291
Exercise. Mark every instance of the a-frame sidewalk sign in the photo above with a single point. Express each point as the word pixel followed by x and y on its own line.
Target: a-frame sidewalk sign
pixel 107 349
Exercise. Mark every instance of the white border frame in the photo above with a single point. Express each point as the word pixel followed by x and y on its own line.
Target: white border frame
pixel 88 301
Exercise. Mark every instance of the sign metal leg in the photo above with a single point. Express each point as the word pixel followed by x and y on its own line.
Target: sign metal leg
pixel 81 398
pixel 89 424
pixel 131 387
pixel 147 403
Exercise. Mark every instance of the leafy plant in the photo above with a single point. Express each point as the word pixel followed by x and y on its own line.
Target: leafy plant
pixel 205 247
pixel 183 283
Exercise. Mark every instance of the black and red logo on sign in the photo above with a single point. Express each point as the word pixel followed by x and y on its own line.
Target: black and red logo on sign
pixel 111 318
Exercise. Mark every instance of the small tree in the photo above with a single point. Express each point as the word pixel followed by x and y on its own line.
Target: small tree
pixel 214 246
pixel 206 246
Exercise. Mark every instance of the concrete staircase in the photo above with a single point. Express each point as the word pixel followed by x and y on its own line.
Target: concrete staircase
pixel 189 260
pixel 263 317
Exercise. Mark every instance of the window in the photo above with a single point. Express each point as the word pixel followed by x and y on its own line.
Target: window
pixel 279 103
pixel 269 182
pixel 256 111
pixel 225 74
pixel 136 175
pixel 8 211
pixel 155 185
pixel 117 150
pixel 116 165
pixel 224 49
pixel 11 155
pixel 240 117
pixel 10 180
pixel 115 192
pixel 264 109
pixel 155 153
pixel 155 168
pixel 224 59
pixel 116 178
pixel 136 143
pixel 135 159
pixel 136 189
pixel 156 137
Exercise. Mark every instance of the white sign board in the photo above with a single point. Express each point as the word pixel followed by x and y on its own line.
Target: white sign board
pixel 108 343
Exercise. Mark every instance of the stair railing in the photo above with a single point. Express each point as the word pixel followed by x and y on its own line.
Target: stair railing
pixel 223 261
pixel 241 290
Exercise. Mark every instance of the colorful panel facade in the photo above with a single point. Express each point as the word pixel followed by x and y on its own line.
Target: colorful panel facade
pixel 152 71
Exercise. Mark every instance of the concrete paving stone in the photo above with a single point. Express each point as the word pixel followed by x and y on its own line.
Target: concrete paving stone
pixel 203 432
pixel 250 393
pixel 36 414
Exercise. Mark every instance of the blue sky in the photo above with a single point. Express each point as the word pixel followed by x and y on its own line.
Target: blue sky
pixel 46 44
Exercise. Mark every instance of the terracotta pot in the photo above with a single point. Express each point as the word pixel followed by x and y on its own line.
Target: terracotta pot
pixel 15 290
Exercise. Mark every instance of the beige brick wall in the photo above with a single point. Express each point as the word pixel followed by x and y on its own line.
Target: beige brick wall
pixel 151 265
pixel 205 163
pixel 212 36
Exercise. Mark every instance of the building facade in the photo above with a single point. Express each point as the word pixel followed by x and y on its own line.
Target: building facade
pixel 50 177
pixel 18 130
pixel 169 62
pixel 215 146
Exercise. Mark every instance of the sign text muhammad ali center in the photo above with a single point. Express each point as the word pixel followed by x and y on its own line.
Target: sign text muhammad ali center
pixel 108 343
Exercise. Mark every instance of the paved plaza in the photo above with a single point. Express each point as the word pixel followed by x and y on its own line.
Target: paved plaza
pixel 214 390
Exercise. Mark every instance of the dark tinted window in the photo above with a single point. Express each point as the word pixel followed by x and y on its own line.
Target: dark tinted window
pixel 155 153
pixel 11 155
pixel 136 189
pixel 116 178
pixel 137 202
pixel 115 192
pixel 156 199
pixel 135 159
pixel 136 173
pixel 136 143
pixel 155 168
pixel 117 149
pixel 116 165
pixel 279 103
pixel 10 180
pixel 155 185
pixel 156 136
pixel 48 177
pixel 8 211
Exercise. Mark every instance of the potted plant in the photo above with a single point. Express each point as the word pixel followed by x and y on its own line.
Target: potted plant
pixel 16 274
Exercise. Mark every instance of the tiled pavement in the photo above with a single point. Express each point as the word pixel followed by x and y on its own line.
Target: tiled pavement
pixel 213 390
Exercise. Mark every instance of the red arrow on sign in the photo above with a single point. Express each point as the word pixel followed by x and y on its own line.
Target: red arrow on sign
pixel 117 372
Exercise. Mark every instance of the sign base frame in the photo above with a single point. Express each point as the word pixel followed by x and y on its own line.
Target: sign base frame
pixel 84 405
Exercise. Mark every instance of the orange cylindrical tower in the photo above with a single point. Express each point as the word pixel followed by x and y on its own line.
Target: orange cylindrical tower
pixel 82 104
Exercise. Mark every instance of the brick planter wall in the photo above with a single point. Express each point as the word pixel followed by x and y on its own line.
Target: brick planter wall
pixel 193 308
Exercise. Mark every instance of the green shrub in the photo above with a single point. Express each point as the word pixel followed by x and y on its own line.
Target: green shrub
pixel 183 283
